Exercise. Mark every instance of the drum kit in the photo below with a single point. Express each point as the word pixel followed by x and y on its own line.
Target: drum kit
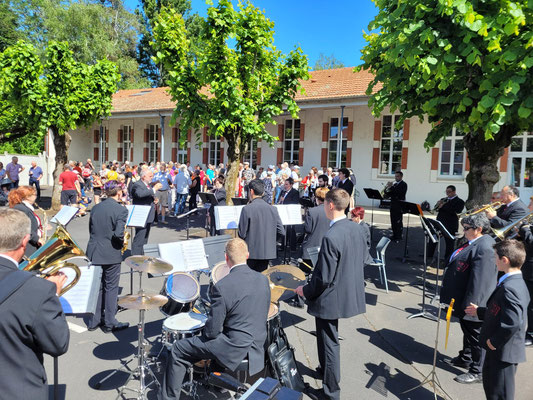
pixel 177 301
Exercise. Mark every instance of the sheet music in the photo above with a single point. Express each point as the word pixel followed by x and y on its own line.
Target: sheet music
pixel 137 215
pixel 185 256
pixel 65 215
pixel 227 217
pixel 290 214
pixel 82 298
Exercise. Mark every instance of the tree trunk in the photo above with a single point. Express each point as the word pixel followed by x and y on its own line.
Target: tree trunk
pixel 233 153
pixel 483 156
pixel 61 144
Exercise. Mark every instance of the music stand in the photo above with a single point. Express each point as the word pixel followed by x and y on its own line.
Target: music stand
pixel 208 198
pixel 372 194
pixel 429 235
pixel 239 201
pixel 409 208
pixel 440 231
pixel 188 214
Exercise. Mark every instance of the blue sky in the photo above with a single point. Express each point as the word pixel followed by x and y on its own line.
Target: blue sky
pixel 329 27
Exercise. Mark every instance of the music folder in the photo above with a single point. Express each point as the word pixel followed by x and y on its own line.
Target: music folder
pixel 185 256
pixel 137 215
pixel 83 296
pixel 227 217
pixel 65 215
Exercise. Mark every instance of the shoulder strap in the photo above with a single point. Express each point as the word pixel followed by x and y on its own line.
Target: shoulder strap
pixel 12 282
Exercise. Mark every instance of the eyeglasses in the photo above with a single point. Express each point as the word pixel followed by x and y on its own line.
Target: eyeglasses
pixel 465 228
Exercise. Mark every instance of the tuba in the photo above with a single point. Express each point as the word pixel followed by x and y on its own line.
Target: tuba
pixel 53 255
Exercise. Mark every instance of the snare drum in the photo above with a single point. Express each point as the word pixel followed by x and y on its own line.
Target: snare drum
pixel 182 290
pixel 181 326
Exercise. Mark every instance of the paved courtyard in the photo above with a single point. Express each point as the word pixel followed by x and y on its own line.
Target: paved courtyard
pixel 383 354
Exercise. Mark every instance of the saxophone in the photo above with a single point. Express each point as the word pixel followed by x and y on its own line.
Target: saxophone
pixel 127 237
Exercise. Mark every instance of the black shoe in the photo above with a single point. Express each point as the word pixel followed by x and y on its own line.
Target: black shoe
pixel 468 378
pixel 93 328
pixel 458 362
pixel 118 327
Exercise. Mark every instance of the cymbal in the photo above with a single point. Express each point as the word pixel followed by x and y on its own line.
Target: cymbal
pixel 283 280
pixel 147 264
pixel 145 301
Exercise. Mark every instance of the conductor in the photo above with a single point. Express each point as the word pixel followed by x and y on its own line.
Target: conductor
pixel 235 328
pixel 336 289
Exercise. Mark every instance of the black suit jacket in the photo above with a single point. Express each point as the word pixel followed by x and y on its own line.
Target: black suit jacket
pixel 448 214
pixel 347 185
pixel 236 326
pixel 106 228
pixel 505 320
pixel 316 225
pixel 34 235
pixel 143 196
pixel 506 215
pixel 336 289
pixel 293 197
pixel 527 235
pixel 31 323
pixel 397 192
pixel 259 226
pixel 471 276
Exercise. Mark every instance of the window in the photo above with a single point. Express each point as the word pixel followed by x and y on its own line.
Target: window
pixel 291 153
pixel 452 155
pixel 126 142
pixel 153 143
pixel 182 153
pixel 103 143
pixel 251 154
pixel 214 151
pixel 391 146
pixel 521 154
pixel 337 142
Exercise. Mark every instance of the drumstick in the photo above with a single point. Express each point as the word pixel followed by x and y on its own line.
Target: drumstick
pixel 272 286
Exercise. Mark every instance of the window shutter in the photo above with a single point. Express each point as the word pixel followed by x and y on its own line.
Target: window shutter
pixel 324 157
pixel 349 131
pixel 145 154
pixel 377 130
pixel 174 154
pixel 434 159
pixel 146 133
pixel 221 154
pixel 205 155
pixel 375 157
pixel 258 157
pixel 280 132
pixel 405 152
pixel 302 132
pixel 120 136
pixel 119 154
pixel 406 129
pixel 96 138
pixel 205 137
pixel 174 135
pixel 301 156
pixel 96 154
pixel 349 157
pixel 325 131
pixel 280 155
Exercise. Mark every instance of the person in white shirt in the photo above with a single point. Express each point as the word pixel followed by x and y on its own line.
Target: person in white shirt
pixel 182 182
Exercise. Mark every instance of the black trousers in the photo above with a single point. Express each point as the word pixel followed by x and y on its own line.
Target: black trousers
pixel 184 353
pixel 139 240
pixel 257 265
pixel 498 378
pixel 37 184
pixel 192 201
pixel 529 285
pixel 396 221
pixel 472 351
pixel 106 306
pixel 328 346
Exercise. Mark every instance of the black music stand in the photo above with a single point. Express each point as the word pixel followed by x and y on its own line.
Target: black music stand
pixel 208 198
pixel 440 231
pixel 372 194
pixel 188 214
pixel 409 208
pixel 239 201
pixel 429 235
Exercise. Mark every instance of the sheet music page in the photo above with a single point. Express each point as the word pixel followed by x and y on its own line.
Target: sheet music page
pixel 173 254
pixel 194 254
pixel 137 215
pixel 290 214
pixel 65 215
pixel 227 217
pixel 82 298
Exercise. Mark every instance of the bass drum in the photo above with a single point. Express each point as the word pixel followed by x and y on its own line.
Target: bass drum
pixel 182 290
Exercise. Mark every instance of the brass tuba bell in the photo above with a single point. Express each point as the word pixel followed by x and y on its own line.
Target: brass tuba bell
pixel 53 255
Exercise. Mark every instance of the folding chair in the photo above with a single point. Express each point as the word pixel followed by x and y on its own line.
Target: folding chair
pixel 380 260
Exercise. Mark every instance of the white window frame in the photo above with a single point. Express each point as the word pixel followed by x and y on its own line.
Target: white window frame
pixel 103 144
pixel 153 142
pixel 523 154
pixel 182 153
pixel 337 162
pixel 214 151
pixel 454 138
pixel 126 142
pixel 394 135
pixel 251 154
pixel 293 141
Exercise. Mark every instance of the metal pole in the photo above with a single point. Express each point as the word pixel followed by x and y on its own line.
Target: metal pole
pixel 100 145
pixel 162 122
pixel 339 137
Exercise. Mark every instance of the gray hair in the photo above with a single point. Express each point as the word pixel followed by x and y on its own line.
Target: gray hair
pixel 145 171
pixel 478 220
pixel 15 226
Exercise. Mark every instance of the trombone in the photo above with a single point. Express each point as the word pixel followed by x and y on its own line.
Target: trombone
pixel 502 232
pixel 487 207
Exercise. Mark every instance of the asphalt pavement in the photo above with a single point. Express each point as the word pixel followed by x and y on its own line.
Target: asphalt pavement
pixel 383 354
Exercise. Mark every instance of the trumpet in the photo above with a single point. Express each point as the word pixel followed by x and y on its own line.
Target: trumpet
pixel 492 207
pixel 502 232
pixel 439 203
pixel 385 191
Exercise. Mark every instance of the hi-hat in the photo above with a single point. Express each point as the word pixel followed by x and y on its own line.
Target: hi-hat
pixel 283 280
pixel 147 264
pixel 142 301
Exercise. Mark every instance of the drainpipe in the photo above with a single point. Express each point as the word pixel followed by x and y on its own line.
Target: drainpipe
pixel 162 124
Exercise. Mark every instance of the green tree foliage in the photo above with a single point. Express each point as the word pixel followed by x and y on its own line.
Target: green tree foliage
pixel 459 63
pixel 59 93
pixel 147 16
pixel 235 90
pixel 327 62
pixel 8 26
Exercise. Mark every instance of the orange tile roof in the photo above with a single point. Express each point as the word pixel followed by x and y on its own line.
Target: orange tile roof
pixel 323 85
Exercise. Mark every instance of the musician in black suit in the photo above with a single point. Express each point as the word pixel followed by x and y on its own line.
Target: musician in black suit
pixel 316 224
pixel 526 233
pixel 511 211
pixel 259 226
pixel 107 227
pixel 143 194
pixel 23 199
pixel 504 323
pixel 448 209
pixel 336 289
pixel 470 277
pixel 32 322
pixel 220 194
pixel 289 195
pixel 236 326
pixel 344 181
pixel 396 193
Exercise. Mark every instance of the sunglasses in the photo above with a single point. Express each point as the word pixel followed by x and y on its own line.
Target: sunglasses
pixel 465 228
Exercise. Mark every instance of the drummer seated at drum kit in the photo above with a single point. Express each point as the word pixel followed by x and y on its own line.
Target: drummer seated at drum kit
pixel 236 328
